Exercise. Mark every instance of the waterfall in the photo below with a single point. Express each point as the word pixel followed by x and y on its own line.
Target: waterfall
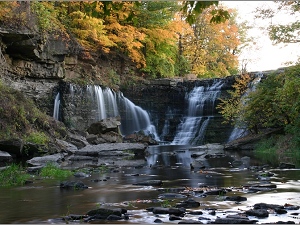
pixel 134 118
pixel 96 103
pixel 239 132
pixel 201 106
pixel 56 106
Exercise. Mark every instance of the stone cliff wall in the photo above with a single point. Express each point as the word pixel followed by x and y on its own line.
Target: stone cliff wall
pixel 41 67
pixel 165 99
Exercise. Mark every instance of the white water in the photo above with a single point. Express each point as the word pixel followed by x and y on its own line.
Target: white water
pixel 56 106
pixel 135 119
pixel 192 129
pixel 107 103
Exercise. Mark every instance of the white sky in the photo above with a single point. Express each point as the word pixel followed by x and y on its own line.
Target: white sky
pixel 266 56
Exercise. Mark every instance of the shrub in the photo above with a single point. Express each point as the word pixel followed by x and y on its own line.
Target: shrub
pixel 13 175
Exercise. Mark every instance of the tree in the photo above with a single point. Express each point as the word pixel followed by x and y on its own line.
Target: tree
pixel 192 9
pixel 275 103
pixel 212 48
pixel 279 32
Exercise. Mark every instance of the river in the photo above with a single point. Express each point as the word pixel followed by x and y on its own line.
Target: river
pixel 43 201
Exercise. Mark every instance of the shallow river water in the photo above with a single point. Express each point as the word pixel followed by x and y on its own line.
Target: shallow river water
pixel 44 201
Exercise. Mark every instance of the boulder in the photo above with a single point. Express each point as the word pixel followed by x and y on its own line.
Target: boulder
pixel 141 137
pixel 104 213
pixel 260 213
pixel 5 157
pixel 234 221
pixel 12 146
pixel 77 140
pixel 55 158
pixel 190 203
pixel 105 126
pixel 235 198
pixel 171 211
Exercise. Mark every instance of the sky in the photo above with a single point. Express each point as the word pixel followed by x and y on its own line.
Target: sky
pixel 265 56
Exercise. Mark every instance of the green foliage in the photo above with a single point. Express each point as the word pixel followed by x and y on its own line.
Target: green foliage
pixel 20 117
pixel 166 203
pixel 114 77
pixel 278 148
pixel 286 32
pixel 37 138
pixel 275 103
pixel 45 15
pixel 13 175
pixel 52 171
pixel 192 9
pixel 266 150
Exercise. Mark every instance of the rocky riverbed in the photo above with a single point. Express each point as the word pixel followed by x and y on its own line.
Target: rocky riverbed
pixel 184 184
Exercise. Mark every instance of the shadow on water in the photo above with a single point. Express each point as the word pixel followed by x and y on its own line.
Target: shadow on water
pixel 43 200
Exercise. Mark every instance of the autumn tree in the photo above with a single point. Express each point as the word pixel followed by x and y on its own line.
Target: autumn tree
pixel 232 107
pixel 212 48
pixel 156 20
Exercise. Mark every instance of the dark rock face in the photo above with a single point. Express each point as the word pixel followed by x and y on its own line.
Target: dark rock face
pixel 165 100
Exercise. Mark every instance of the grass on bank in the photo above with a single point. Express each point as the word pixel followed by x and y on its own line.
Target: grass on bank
pixel 279 148
pixel 52 171
pixel 13 175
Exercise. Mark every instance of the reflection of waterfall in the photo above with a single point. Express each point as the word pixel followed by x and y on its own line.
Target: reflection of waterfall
pixel 201 105
pixel 168 155
pixel 239 131
pixel 56 106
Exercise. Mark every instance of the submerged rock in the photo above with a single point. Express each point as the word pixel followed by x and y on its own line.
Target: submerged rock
pixel 260 213
pixel 236 198
pixel 103 213
pixel 150 183
pixel 234 221
pixel 173 211
pixel 73 185
pixel 190 203
pixel 286 166
pixel 172 195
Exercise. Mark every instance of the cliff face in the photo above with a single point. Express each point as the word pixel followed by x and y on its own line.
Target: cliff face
pixel 167 102
pixel 36 65
pixel 42 66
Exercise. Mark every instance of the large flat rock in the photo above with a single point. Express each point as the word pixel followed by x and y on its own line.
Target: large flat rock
pixel 108 149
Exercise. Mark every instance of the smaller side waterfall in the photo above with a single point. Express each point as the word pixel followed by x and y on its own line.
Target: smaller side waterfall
pixel 134 118
pixel 56 106
pixel 95 103
pixel 239 132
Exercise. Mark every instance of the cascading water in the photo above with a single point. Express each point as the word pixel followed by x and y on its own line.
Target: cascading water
pixel 201 105
pixel 56 106
pixel 102 103
pixel 134 118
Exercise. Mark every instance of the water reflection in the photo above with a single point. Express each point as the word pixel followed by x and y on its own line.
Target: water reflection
pixel 43 200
